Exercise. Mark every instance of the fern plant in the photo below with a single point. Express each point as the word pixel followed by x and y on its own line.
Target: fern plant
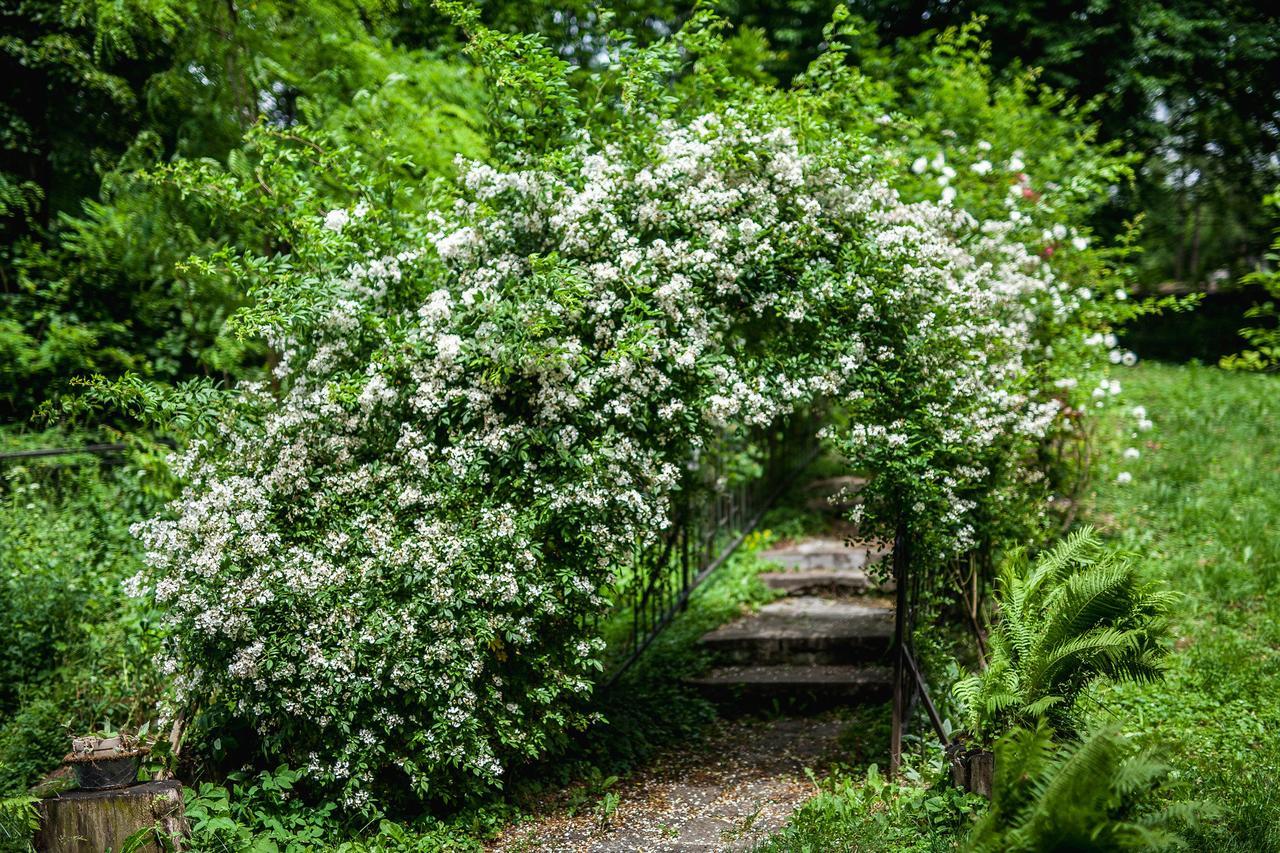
pixel 1079 613
pixel 18 823
pixel 1097 794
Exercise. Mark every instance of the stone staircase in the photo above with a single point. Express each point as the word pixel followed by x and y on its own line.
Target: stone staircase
pixel 826 642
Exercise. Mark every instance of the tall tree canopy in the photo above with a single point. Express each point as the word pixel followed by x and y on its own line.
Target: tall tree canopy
pixel 1193 85
pixel 106 97
pixel 105 100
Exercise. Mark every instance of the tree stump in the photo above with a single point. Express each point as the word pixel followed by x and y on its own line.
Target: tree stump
pixel 974 771
pixel 93 821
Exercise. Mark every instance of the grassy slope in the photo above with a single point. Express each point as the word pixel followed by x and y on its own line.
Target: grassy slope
pixel 1204 510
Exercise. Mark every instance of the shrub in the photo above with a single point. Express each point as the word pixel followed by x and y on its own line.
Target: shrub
pixel 1080 613
pixel 390 560
pixel 64 555
pixel 1095 794
pixel 1023 159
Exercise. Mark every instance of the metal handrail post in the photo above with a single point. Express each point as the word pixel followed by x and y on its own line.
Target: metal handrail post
pixel 900 566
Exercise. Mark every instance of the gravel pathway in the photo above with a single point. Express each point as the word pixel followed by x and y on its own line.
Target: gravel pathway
pixel 726 792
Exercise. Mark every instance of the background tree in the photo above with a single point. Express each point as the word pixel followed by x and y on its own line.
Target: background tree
pixel 93 272
pixel 1191 84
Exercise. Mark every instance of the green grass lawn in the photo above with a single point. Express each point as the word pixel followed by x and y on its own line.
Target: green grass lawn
pixel 1203 509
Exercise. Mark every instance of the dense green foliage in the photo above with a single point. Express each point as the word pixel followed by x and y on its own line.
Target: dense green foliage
pixel 1202 512
pixel 79 651
pixel 101 98
pixel 1263 352
pixel 1095 794
pixel 245 226
pixel 100 267
pixel 1188 84
pixel 851 814
pixel 1078 614
pixel 17 824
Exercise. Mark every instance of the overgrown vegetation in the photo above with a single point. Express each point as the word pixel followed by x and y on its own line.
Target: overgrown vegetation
pixel 863 812
pixel 487 394
pixel 1200 511
pixel 427 406
pixel 1078 614
pixel 79 652
pixel 1092 794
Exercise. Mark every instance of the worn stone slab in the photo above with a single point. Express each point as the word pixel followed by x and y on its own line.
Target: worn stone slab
pixel 831 582
pixel 824 553
pixel 807 630
pixel 94 821
pixel 745 688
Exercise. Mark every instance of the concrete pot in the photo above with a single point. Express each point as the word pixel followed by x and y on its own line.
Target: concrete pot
pixel 103 763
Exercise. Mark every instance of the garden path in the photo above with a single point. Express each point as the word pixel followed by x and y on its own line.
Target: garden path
pixel 820 645
pixel 728 792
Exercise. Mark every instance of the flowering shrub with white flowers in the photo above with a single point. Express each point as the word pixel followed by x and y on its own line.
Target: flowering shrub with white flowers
pixel 386 557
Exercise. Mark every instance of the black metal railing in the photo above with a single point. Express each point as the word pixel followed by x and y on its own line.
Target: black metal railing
pixel 728 489
pixel 109 449
pixel 910 588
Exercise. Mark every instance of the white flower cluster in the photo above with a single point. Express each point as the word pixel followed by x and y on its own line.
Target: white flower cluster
pixel 390 562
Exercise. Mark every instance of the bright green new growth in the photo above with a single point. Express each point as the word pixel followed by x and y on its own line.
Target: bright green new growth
pixel 1080 613
pixel 1094 794
pixel 17 824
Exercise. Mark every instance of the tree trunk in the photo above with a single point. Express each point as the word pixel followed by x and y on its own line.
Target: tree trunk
pixel 94 821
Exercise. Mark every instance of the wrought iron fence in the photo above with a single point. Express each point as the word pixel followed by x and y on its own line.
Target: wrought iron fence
pixel 727 491
pixel 910 586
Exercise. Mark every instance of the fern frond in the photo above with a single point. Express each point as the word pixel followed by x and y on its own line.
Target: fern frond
pixel 1098 595
pixel 1095 794
pixel 1077 614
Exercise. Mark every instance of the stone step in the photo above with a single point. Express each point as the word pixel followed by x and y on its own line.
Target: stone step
pixel 827 582
pixel 826 553
pixel 834 495
pixel 806 630
pixel 745 688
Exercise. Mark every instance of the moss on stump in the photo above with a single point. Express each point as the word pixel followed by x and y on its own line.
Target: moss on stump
pixel 94 821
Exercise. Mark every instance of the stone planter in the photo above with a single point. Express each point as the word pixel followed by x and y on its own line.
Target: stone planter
pixel 111 809
pixel 104 763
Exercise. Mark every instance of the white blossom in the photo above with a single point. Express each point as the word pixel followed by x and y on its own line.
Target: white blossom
pixel 336 220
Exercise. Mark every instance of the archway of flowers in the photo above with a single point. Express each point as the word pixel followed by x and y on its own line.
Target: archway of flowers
pixel 385 556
